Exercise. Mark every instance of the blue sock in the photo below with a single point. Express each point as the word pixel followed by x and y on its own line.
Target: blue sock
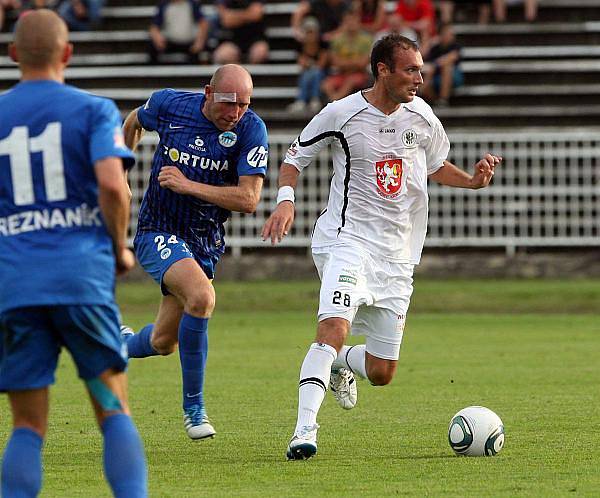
pixel 124 460
pixel 193 350
pixel 22 464
pixel 139 345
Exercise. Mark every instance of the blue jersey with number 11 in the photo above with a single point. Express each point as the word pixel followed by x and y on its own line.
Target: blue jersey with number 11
pixel 54 246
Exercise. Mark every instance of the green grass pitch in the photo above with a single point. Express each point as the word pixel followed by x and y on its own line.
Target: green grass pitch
pixel 529 350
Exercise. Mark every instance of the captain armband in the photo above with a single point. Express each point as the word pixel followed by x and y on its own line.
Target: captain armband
pixel 286 193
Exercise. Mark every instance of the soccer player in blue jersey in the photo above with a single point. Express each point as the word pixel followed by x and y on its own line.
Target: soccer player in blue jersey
pixel 211 159
pixel 63 219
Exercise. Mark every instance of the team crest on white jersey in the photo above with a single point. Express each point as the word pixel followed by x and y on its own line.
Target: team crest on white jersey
pixel 389 177
pixel 409 138
pixel 227 139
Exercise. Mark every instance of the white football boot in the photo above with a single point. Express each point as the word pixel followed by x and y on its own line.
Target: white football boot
pixel 343 386
pixel 303 444
pixel 196 423
pixel 126 332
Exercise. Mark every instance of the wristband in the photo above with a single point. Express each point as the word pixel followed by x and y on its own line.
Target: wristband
pixel 285 193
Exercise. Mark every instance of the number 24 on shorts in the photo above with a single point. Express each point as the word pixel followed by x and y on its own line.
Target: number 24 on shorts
pixel 339 298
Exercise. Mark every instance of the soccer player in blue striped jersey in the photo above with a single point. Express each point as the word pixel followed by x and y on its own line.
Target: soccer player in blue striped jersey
pixel 211 159
pixel 64 212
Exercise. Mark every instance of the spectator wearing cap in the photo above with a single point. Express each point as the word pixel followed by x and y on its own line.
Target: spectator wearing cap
pixel 312 58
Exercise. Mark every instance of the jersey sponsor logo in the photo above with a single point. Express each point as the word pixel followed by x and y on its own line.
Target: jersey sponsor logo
pixel 348 279
pixel 257 157
pixel 195 161
pixel 293 150
pixel 198 145
pixel 389 177
pixel 387 130
pixel 227 139
pixel 409 138
pixel 48 219
pixel 174 127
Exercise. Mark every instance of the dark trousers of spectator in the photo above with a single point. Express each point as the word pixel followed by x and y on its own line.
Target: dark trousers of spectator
pixel 172 48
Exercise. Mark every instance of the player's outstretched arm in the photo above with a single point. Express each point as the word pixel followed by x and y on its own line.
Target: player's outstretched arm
pixel 280 221
pixel 451 175
pixel 132 130
pixel 242 197
pixel 113 200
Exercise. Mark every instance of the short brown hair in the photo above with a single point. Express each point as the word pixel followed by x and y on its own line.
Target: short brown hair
pixel 385 48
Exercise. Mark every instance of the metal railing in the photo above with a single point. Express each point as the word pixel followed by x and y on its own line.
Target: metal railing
pixel 546 193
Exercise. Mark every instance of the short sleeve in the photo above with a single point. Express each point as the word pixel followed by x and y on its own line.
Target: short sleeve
pixel 315 135
pixel 437 148
pixel 106 134
pixel 148 114
pixel 159 17
pixel 254 150
pixel 196 11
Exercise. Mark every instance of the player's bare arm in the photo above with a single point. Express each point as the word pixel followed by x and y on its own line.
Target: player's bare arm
pixel 280 221
pixel 132 130
pixel 242 198
pixel 113 199
pixel 451 175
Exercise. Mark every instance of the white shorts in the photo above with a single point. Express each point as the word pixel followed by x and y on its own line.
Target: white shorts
pixel 372 294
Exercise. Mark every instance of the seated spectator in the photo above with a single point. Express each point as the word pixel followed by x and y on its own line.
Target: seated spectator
pixel 81 15
pixel 447 10
pixel 372 15
pixel 178 27
pixel 397 25
pixel 242 32
pixel 328 12
pixel 8 6
pixel 312 58
pixel 350 52
pixel 442 70
pixel 420 16
pixel 500 9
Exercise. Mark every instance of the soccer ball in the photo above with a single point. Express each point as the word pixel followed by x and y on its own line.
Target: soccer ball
pixel 476 431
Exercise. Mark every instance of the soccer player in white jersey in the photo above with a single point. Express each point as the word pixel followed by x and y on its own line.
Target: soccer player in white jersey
pixel 386 142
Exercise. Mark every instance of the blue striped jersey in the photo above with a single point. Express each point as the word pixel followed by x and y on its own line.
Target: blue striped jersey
pixel 204 154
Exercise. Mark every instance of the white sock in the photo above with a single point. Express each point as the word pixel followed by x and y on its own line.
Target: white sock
pixel 352 358
pixel 314 380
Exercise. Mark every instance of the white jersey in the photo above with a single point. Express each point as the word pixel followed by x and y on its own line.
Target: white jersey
pixel 378 196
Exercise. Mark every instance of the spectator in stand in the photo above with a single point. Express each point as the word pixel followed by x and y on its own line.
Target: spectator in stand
pixel 500 9
pixel 178 26
pixel 397 25
pixel 442 69
pixel 328 12
pixel 447 8
pixel 6 6
pixel 242 32
pixel 372 15
pixel 313 55
pixel 350 52
pixel 420 16
pixel 81 15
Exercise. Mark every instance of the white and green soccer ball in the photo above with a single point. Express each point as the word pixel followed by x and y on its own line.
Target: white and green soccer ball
pixel 476 431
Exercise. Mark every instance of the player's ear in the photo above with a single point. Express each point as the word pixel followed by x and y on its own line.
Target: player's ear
pixel 382 68
pixel 67 53
pixel 12 52
pixel 207 91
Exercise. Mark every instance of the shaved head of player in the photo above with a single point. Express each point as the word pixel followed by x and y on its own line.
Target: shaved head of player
pixel 228 96
pixel 41 45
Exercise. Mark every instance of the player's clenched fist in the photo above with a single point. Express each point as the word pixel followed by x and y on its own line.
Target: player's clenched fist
pixel 279 223
pixel 484 170
pixel 172 178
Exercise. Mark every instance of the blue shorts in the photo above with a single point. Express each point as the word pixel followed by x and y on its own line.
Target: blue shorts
pixel 158 251
pixel 31 339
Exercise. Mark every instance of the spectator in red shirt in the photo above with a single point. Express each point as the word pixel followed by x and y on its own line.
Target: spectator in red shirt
pixel 420 16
